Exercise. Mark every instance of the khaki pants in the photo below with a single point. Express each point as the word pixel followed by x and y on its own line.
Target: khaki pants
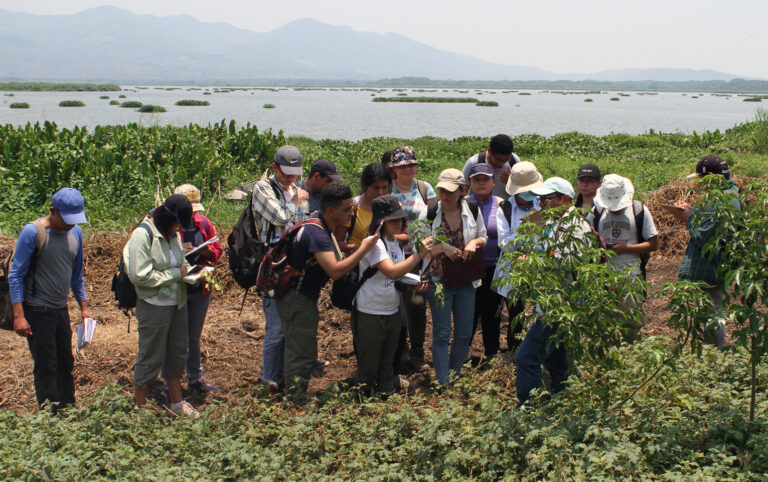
pixel 300 318
pixel 163 342
pixel 376 340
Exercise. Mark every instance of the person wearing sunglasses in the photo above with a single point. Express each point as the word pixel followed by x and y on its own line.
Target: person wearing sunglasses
pixel 534 351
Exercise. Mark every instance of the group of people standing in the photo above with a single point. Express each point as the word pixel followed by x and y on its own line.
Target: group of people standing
pixel 467 221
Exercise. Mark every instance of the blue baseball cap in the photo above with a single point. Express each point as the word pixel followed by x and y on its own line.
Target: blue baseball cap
pixel 70 204
pixel 555 184
pixel 480 170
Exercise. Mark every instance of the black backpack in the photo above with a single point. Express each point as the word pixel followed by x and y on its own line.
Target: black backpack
pixel 125 292
pixel 344 289
pixel 6 307
pixel 245 249
pixel 639 212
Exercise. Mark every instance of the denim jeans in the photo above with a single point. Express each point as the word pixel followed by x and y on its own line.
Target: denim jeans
pixel 272 366
pixel 459 302
pixel 51 347
pixel 197 309
pixel 533 353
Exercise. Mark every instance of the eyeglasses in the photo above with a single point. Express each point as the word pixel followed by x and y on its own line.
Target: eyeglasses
pixel 549 197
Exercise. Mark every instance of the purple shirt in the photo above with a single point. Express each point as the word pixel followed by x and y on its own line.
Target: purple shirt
pixel 489 208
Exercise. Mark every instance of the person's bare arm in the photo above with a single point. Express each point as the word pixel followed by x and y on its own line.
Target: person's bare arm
pixel 20 325
pixel 646 246
pixel 336 269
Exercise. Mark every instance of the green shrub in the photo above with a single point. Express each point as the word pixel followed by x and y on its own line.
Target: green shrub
pixel 438 100
pixel 588 100
pixel 114 102
pixel 19 105
pixel 524 93
pixel 121 96
pixel 151 108
pixel 206 93
pixel 192 102
pixel 487 103
pixel 131 104
pixel 103 97
pixel 615 99
pixel 71 103
pixel 753 99
pixel 269 106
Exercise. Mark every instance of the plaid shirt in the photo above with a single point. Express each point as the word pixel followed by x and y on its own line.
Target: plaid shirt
pixel 695 266
pixel 271 210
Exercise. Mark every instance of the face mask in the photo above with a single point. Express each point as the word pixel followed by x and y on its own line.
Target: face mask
pixel 528 197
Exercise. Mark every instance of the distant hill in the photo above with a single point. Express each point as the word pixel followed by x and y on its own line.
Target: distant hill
pixel 112 44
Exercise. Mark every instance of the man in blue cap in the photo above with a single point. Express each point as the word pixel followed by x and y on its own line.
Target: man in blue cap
pixel 47 263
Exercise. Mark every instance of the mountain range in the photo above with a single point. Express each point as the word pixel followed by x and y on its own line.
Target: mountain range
pixel 113 44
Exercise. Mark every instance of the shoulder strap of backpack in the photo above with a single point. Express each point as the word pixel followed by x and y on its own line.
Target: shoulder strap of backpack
pixel 42 235
pixel 596 219
pixel 473 207
pixel 422 189
pixel 432 211
pixel 367 274
pixel 639 211
pixel 506 208
pixel 481 157
pixel 149 231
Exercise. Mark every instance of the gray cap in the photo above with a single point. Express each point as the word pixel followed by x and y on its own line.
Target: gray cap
pixel 289 160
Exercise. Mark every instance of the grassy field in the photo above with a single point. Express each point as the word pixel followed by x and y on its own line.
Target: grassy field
pixel 688 423
pixel 123 169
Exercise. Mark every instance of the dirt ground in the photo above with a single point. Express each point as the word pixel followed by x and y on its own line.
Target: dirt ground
pixel 232 344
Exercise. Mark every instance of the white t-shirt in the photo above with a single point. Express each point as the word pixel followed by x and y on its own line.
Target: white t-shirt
pixel 621 228
pixel 378 296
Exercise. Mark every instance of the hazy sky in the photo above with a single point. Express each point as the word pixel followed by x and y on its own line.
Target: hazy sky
pixel 557 35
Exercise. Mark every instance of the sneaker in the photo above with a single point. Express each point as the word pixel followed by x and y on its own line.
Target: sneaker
pixel 202 385
pixel 404 385
pixel 187 410
pixel 318 369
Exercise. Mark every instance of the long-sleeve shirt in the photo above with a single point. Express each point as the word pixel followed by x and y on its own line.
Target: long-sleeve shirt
pixel 270 210
pixel 59 268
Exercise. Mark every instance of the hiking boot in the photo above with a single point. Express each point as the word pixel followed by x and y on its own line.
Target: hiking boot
pixel 202 385
pixel 186 410
pixel 418 363
pixel 318 369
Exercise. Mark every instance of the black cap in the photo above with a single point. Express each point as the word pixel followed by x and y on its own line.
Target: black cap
pixel 386 208
pixel 181 207
pixel 712 164
pixel 589 170
pixel 326 168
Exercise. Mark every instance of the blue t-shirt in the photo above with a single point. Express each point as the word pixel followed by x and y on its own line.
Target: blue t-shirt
pixel 311 239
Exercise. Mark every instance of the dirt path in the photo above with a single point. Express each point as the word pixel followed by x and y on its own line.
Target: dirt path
pixel 231 345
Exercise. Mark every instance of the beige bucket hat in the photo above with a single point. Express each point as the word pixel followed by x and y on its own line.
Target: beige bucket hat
pixel 616 193
pixel 523 177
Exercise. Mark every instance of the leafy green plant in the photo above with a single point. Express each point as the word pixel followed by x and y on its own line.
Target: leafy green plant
pixel 103 97
pixel 487 103
pixel 591 306
pixel 739 244
pixel 71 103
pixel 19 105
pixel 131 104
pixel 269 106
pixel 114 102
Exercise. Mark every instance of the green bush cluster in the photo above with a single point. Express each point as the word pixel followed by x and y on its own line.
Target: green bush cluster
pixel 487 103
pixel 192 102
pixel 71 103
pixel 131 104
pixel 437 100
pixel 19 105
pixel 114 102
pixel 687 424
pixel 58 87
pixel 149 108
pixel 269 106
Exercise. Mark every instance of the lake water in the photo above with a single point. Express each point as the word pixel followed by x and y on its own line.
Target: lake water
pixel 350 114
